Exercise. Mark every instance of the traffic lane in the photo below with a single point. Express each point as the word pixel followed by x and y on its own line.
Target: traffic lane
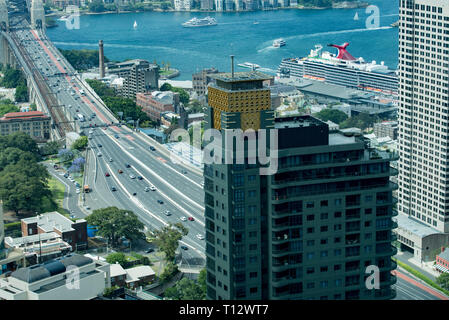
pixel 407 291
pixel 172 196
pixel 173 172
pixel 411 280
pixel 138 186
pixel 149 201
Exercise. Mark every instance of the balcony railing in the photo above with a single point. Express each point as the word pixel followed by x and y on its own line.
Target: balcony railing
pixel 389 185
pixel 306 179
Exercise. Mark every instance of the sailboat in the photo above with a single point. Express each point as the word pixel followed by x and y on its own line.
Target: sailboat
pixel 135 24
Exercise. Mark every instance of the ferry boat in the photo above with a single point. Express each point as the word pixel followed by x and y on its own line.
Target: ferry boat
pixel 135 24
pixel 279 43
pixel 195 22
pixel 342 69
pixel 249 65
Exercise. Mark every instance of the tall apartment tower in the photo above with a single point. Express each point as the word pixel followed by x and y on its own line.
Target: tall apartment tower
pixel 423 126
pixel 306 232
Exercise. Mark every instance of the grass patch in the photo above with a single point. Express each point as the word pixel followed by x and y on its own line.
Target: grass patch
pixel 421 276
pixel 55 202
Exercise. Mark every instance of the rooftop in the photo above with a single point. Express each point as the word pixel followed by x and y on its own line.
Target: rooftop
pixel 241 76
pixel 445 254
pixel 15 242
pixel 416 227
pixel 23 115
pixel 117 270
pixel 297 122
pixel 136 273
pixel 50 220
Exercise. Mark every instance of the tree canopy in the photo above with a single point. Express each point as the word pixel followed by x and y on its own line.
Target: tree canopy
pixel 114 223
pixel 80 143
pixel 183 95
pixel 333 115
pixel 83 59
pixel 185 289
pixel 361 121
pixel 117 257
pixel 167 238
pixel 7 106
pixel 443 280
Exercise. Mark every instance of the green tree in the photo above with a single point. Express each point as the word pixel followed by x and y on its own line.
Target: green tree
pixel 12 78
pixel 19 140
pixel 202 281
pixel 361 121
pixel 117 257
pixel 96 6
pixel 443 280
pixel 13 155
pixel 194 107
pixel 7 107
pixel 23 186
pixel 170 271
pixel 80 143
pixel 51 147
pixel 333 115
pixel 185 289
pixel 21 94
pixel 101 88
pixel 114 223
pixel 166 87
pixel 82 59
pixel 167 239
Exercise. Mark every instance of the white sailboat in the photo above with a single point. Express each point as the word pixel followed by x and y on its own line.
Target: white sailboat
pixel 135 24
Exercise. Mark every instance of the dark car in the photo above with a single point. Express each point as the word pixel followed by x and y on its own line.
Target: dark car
pixel 184 248
pixel 139 177
pixel 116 136
pixel 160 201
pixel 152 148
pixel 134 193
pixel 99 146
pixel 107 174
pixel 113 189
pixel 127 165
pixel 191 219
pixel 149 250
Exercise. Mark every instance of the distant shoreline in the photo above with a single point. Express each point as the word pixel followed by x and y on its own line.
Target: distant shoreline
pixel 338 5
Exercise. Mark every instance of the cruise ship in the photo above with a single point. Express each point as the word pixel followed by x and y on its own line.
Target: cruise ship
pixel 278 43
pixel 342 69
pixel 195 22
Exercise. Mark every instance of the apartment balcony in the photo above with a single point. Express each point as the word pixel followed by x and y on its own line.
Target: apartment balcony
pixel 390 281
pixel 278 197
pixel 279 267
pixel 391 226
pixel 391 238
pixel 389 266
pixel 325 178
pixel 390 251
pixel 393 201
pixel 282 281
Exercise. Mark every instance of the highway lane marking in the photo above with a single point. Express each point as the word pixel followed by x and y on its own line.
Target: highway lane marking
pixel 129 137
pixel 155 174
pixel 420 285
pixel 163 160
pixel 413 290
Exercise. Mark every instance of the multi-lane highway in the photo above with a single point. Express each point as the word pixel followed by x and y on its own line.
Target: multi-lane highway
pixel 113 147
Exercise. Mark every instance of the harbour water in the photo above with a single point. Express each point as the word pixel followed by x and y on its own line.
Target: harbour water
pixel 160 36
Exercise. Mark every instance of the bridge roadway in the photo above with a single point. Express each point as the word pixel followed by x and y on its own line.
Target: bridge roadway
pixel 181 193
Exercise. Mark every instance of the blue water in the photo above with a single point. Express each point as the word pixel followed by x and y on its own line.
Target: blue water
pixel 160 37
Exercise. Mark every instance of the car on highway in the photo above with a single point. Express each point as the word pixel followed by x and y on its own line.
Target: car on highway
pixel 99 146
pixel 132 176
pixel 113 189
pixel 127 165
pixel 99 154
pixel 147 189
pixel 116 136
pixel 78 191
pixel 184 247
pixel 152 148
pixel 160 201
pixel 200 236
pixel 134 193
pixel 167 213
pixel 120 171
pixel 191 219
pixel 153 188
pixel 183 219
pixel 107 174
pixel 184 171
pixel 110 160
pixel 139 177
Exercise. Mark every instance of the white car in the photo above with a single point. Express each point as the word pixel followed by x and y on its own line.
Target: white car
pixel 153 188
pixel 132 176
pixel 78 191
pixel 183 218
pixel 99 154
pixel 200 236
pixel 167 213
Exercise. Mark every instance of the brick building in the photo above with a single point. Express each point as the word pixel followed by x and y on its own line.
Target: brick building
pixel 157 102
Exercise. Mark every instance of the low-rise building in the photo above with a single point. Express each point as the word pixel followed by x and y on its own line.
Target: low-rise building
pixel 195 117
pixel 386 129
pixel 442 260
pixel 118 275
pixel 72 277
pixel 74 233
pixel 157 102
pixel 40 247
pixel 139 276
pixel 34 123
pixel 202 79
pixel 168 117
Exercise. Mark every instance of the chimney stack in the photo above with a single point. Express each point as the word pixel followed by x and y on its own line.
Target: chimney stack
pixel 101 58
pixel 232 66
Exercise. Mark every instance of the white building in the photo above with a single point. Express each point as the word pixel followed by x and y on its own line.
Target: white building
pixel 72 277
pixel 423 120
pixel 182 5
